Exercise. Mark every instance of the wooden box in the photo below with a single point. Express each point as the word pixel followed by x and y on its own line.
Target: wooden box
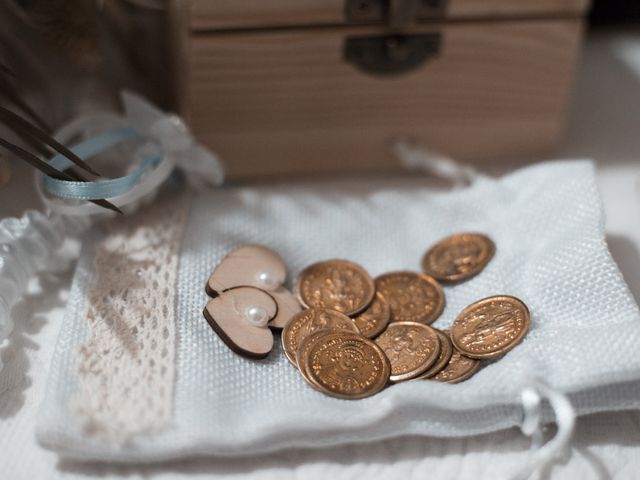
pixel 317 86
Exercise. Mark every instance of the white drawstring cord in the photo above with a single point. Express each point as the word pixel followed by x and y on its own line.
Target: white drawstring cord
pixel 419 158
pixel 542 455
pixel 532 405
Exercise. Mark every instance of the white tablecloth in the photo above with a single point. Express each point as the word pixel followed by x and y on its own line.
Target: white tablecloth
pixel 603 124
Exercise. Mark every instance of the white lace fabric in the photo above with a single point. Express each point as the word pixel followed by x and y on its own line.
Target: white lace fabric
pixel 547 223
pixel 126 366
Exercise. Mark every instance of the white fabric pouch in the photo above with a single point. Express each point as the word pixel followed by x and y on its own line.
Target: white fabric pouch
pixel 138 375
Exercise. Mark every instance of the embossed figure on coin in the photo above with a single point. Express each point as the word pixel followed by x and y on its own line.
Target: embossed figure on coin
pixel 375 318
pixel 458 369
pixel 336 284
pixel 446 350
pixel 412 297
pixel 411 348
pixel 308 322
pixel 490 327
pixel 347 365
pixel 303 352
pixel 458 257
pixel 322 320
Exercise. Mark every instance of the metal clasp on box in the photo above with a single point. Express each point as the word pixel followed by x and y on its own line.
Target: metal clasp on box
pixel 397 52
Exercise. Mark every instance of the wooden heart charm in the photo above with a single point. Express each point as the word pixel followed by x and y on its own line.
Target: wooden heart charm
pixel 248 298
pixel 240 317
pixel 250 266
pixel 259 267
pixel 288 306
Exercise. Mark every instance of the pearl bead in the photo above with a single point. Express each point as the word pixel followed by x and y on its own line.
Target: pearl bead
pixel 257 316
pixel 268 280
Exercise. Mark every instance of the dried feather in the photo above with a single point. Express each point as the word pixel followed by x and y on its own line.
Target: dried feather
pixel 17 123
pixel 47 169
pixel 11 93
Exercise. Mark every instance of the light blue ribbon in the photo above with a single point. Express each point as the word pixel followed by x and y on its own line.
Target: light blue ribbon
pixel 100 189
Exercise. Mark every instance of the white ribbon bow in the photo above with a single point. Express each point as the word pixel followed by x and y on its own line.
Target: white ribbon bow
pixel 200 165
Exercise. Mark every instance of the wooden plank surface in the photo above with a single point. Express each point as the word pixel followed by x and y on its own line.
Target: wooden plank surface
pixel 229 14
pixel 285 102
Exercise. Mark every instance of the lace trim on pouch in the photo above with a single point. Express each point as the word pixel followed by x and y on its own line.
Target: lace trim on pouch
pixel 127 364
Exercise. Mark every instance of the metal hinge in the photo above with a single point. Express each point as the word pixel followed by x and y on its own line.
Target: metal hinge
pixel 398 14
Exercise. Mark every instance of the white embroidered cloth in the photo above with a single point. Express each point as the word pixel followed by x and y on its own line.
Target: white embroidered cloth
pixel 547 224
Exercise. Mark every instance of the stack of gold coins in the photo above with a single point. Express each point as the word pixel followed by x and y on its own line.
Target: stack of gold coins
pixel 358 334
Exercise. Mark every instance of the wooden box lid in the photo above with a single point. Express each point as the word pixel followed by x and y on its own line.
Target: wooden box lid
pixel 211 15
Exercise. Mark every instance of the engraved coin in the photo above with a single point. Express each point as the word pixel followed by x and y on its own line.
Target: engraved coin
pixel 310 321
pixel 412 296
pixel 446 350
pixel 411 348
pixel 347 365
pixel 337 284
pixel 458 257
pixel 458 369
pixel 375 318
pixel 303 352
pixel 490 327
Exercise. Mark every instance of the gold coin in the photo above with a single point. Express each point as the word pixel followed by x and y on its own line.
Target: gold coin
pixel 375 318
pixel 446 350
pixel 458 369
pixel 412 296
pixel 337 284
pixel 347 365
pixel 458 257
pixel 303 352
pixel 490 327
pixel 310 321
pixel 411 348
